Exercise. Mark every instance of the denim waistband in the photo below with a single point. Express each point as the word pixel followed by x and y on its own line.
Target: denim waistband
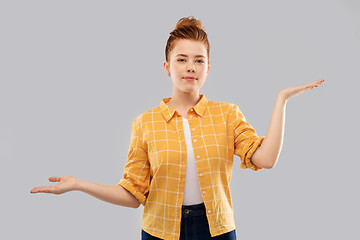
pixel 193 210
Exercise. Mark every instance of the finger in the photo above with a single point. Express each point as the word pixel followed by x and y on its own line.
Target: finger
pixel 36 190
pixel 44 189
pixel 54 179
pixel 319 82
pixel 314 84
pixel 310 86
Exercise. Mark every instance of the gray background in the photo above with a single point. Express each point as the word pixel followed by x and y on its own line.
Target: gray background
pixel 75 74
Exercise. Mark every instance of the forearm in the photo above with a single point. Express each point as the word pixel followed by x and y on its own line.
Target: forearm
pixel 267 154
pixel 114 194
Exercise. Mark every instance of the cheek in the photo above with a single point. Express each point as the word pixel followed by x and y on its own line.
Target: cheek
pixel 175 71
pixel 203 73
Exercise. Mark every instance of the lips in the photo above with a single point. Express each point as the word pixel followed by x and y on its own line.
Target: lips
pixel 189 78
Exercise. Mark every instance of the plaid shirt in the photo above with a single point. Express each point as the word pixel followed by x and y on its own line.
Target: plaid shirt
pixel 156 166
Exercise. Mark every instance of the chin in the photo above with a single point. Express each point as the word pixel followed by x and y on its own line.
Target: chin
pixel 190 91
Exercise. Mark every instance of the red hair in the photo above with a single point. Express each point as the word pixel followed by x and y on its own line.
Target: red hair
pixel 187 28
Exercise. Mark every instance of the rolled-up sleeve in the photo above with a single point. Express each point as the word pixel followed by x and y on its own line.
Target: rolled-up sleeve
pixel 246 140
pixel 136 177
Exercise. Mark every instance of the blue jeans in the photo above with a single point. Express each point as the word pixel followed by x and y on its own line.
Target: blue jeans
pixel 194 226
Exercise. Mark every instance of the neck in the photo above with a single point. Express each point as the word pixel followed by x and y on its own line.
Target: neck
pixel 183 100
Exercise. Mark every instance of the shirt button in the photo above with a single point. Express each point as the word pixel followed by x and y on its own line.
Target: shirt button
pixel 193 129
pixel 209 211
pixel 200 174
pixel 192 110
pixel 190 116
pixel 204 192
pixel 194 140
pixel 198 156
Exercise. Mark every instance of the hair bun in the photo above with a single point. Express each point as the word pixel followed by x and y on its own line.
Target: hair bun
pixel 187 28
pixel 189 21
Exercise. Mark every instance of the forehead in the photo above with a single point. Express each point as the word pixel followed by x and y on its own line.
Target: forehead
pixel 190 48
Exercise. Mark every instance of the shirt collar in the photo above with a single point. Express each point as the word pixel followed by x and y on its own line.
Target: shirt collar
pixel 168 112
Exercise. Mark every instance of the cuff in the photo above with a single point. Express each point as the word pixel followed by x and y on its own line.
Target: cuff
pixel 130 187
pixel 246 163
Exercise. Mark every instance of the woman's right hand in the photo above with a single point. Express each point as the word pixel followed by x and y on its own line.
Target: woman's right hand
pixel 66 183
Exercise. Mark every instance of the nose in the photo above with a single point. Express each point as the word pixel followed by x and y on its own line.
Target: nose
pixel 191 67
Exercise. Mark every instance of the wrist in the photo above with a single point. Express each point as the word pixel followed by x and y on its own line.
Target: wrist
pixel 281 97
pixel 78 184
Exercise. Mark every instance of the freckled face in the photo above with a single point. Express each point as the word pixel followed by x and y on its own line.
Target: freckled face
pixel 188 58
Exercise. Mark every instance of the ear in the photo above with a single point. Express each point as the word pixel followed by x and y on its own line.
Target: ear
pixel 166 68
pixel 208 68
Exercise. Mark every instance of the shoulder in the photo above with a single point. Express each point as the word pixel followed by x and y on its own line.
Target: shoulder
pixel 230 110
pixel 147 117
pixel 225 107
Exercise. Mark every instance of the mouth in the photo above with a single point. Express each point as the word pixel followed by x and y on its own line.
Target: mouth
pixel 189 78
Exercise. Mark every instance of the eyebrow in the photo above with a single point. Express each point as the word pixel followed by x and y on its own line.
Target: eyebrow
pixel 187 55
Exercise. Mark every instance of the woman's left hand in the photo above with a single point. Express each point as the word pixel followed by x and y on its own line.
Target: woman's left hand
pixel 290 92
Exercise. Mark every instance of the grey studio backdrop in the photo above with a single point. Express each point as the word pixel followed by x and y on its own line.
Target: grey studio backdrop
pixel 75 74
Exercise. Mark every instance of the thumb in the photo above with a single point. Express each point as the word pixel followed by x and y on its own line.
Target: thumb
pixel 54 179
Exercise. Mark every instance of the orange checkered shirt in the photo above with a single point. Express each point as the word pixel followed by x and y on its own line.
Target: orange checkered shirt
pixel 156 166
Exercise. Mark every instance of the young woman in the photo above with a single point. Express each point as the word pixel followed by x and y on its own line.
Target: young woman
pixel 181 152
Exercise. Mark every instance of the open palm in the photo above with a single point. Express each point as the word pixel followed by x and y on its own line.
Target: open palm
pixel 66 184
pixel 290 92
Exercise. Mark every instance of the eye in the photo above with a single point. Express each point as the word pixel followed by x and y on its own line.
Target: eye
pixel 181 60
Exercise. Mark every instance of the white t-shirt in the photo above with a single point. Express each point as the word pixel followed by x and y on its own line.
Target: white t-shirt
pixel 192 194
